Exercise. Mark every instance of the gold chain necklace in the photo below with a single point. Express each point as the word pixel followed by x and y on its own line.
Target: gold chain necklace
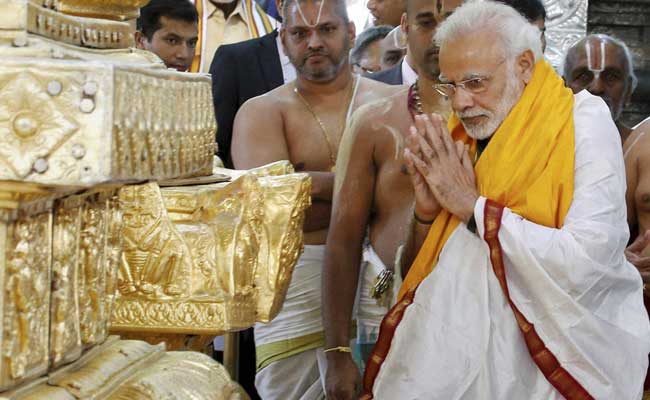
pixel 330 146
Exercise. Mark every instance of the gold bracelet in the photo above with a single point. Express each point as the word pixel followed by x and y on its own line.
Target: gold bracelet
pixel 340 349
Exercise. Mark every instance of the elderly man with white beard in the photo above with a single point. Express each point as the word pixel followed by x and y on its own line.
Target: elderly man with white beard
pixel 520 289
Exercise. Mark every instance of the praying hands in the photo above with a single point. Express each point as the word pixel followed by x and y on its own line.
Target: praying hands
pixel 441 171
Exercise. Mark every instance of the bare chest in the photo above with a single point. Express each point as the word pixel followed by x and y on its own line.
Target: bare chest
pixel 313 136
pixel 393 185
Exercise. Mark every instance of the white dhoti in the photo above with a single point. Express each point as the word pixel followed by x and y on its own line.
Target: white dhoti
pixel 295 377
pixel 290 360
pixel 287 365
pixel 368 311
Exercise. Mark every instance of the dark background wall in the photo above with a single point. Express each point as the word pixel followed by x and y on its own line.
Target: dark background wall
pixel 628 20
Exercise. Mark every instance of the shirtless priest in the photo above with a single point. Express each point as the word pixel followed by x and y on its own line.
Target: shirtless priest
pixel 373 207
pixel 303 122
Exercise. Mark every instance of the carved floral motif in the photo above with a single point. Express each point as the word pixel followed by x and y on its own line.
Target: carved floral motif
pixel 31 123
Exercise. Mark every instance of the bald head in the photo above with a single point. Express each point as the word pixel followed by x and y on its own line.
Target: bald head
pixel 602 65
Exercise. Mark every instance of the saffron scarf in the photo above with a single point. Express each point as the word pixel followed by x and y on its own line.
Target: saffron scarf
pixel 527 166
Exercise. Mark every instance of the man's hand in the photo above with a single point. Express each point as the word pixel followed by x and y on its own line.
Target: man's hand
pixel 450 177
pixel 342 380
pixel 426 205
pixel 636 253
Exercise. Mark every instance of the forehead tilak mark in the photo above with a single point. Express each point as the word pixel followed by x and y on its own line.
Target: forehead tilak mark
pixel 302 15
pixel 596 69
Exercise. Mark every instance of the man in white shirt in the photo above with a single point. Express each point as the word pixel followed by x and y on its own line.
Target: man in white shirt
pixel 521 289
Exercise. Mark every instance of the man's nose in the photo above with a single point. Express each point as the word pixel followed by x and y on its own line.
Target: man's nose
pixel 315 41
pixel 597 86
pixel 185 52
pixel 461 100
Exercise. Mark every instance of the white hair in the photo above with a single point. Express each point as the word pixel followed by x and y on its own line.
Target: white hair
pixel 478 16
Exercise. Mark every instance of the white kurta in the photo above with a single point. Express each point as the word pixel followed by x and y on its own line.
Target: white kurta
pixel 459 339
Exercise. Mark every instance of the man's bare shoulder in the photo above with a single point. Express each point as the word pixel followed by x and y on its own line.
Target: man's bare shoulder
pixel 379 89
pixel 638 143
pixel 269 101
pixel 373 120
pixel 386 108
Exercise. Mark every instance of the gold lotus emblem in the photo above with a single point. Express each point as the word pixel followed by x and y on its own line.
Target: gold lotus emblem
pixel 120 10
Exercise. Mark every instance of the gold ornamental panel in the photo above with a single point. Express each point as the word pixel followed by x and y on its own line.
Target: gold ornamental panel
pixel 77 124
pixel 19 17
pixel 225 250
pixel 106 9
pixel 285 201
pixel 25 259
pixel 188 260
pixel 286 197
pixel 85 32
pixel 86 253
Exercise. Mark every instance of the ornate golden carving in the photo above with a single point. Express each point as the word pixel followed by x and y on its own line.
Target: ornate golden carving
pixel 112 252
pixel 26 297
pixel 168 142
pixel 242 239
pixel 281 236
pixel 91 276
pixel 31 124
pixel 106 9
pixel 195 274
pixel 78 119
pixel 65 334
pixel 52 139
pixel 285 201
pixel 156 261
pixel 188 375
pixel 86 250
pixel 94 33
pixel 103 368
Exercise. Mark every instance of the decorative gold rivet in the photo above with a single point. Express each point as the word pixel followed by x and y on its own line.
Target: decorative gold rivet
pixel 78 151
pixel 24 125
pixel 41 165
pixel 90 88
pixel 54 88
pixel 57 53
pixel 20 41
pixel 87 106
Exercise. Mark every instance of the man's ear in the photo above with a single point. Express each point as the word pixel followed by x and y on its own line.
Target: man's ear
pixel 283 39
pixel 404 24
pixel 278 6
pixel 352 33
pixel 526 65
pixel 139 40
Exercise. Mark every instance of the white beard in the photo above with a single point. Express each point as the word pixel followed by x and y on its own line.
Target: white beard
pixel 511 96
